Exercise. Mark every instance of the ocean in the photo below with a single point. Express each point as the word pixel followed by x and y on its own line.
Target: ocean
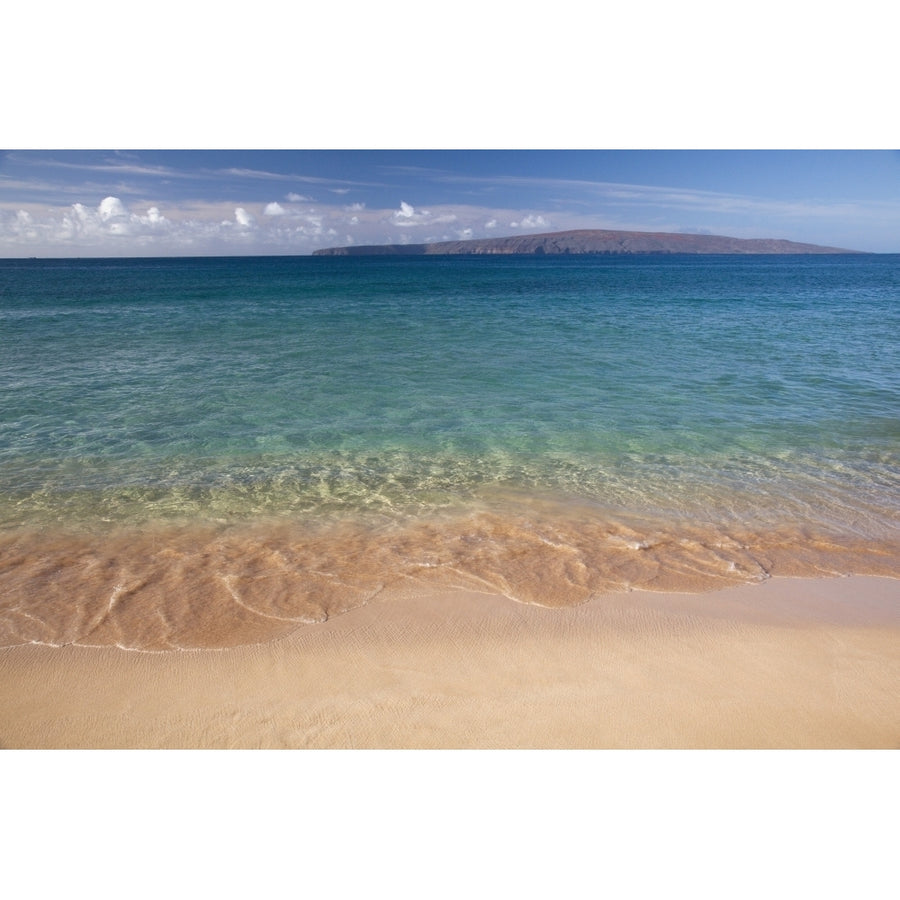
pixel 209 452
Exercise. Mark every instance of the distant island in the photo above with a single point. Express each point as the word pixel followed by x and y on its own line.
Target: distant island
pixel 587 241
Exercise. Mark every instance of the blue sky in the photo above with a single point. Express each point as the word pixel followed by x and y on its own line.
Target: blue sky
pixel 200 202
pixel 358 75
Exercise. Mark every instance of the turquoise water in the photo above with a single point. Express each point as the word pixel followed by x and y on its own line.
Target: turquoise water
pixel 234 386
pixel 763 391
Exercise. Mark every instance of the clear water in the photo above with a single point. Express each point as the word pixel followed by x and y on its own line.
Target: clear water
pixel 386 393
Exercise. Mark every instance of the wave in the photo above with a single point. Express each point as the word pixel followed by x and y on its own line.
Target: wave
pixel 165 587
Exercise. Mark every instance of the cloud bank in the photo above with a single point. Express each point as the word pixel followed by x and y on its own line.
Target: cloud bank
pixel 117 206
pixel 290 224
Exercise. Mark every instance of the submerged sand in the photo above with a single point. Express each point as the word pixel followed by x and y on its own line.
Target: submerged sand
pixel 205 586
pixel 789 663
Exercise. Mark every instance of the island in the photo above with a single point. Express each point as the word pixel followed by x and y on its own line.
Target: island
pixel 588 241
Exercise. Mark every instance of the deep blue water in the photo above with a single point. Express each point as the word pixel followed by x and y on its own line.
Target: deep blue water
pixel 229 388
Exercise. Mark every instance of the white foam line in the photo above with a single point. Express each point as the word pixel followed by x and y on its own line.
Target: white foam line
pixel 495 589
pixel 227 579
pixel 117 590
pixel 175 648
pixel 21 612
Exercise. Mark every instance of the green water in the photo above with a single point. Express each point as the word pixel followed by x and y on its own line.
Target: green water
pixel 223 389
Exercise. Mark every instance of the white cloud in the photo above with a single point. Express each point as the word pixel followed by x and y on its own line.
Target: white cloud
pixel 531 221
pixel 297 198
pixel 113 227
pixel 154 217
pixel 79 222
pixel 408 216
pixel 251 173
pixel 111 208
pixel 20 226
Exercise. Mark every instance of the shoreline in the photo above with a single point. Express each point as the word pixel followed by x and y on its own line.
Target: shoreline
pixel 787 663
pixel 200 585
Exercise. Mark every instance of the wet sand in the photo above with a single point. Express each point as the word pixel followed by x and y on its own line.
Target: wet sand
pixel 199 586
pixel 790 663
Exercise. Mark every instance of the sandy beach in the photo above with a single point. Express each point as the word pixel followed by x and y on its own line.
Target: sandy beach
pixel 790 663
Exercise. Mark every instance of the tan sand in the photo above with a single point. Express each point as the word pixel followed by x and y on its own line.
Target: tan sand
pixel 791 663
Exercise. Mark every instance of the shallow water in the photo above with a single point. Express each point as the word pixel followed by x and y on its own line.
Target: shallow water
pixel 211 451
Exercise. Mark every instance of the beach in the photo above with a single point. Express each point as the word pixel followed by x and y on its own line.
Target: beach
pixel 468 502
pixel 793 663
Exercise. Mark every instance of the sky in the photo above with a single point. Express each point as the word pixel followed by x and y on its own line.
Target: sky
pixel 586 85
pixel 774 125
pixel 192 202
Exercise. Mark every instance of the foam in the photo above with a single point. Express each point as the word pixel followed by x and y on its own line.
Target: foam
pixel 203 585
